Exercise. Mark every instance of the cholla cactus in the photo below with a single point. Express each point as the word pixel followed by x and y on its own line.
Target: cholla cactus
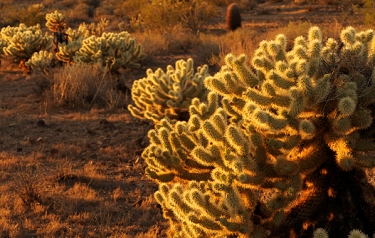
pixel 41 62
pixel 292 133
pixel 66 52
pixel 55 21
pixel 168 94
pixel 3 44
pixel 321 233
pixel 111 51
pixel 96 29
pixel 23 42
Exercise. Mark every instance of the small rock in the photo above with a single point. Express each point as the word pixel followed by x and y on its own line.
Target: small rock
pixel 40 123
pixel 103 121
pixel 39 139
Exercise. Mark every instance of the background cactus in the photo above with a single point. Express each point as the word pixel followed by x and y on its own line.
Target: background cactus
pixel 23 42
pixel 3 44
pixel 55 21
pixel 233 17
pixel 66 52
pixel 41 62
pixel 168 94
pixel 276 141
pixel 110 51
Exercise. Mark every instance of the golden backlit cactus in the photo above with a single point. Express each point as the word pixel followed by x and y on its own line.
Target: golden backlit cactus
pixel 66 52
pixel 168 94
pixel 294 124
pixel 41 62
pixel 22 42
pixel 110 51
pixel 3 44
pixel 55 21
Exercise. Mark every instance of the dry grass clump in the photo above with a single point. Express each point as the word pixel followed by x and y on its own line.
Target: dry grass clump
pixel 82 86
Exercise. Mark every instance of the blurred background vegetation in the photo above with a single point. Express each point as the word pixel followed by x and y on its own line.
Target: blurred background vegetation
pixel 149 15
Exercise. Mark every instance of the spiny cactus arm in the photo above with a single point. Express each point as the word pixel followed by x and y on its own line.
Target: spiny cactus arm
pixel 329 54
pixel 168 152
pixel 236 139
pixel 213 218
pixel 245 75
pixel 67 52
pixel 344 155
pixel 3 44
pixel 195 86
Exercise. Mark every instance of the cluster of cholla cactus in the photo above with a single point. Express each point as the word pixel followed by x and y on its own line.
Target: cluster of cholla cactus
pixel 110 51
pixel 279 148
pixel 66 52
pixel 168 94
pixel 22 42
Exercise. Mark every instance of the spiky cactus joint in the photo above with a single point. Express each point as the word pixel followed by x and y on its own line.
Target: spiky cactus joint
pixel 168 94
pixel 276 140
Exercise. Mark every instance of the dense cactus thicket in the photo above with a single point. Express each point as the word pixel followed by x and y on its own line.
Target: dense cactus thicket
pixel 107 50
pixel 280 147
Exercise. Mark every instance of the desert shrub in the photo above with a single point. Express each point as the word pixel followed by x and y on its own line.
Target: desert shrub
pixel 197 14
pixel 280 136
pixel 30 15
pixel 168 94
pixel 129 8
pixel 243 40
pixel 366 9
pixel 86 86
pixel 80 13
pixel 162 15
